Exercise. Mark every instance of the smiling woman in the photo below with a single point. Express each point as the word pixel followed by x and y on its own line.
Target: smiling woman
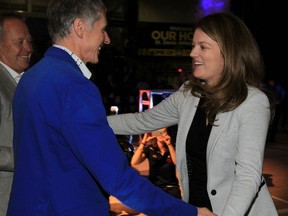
pixel 223 115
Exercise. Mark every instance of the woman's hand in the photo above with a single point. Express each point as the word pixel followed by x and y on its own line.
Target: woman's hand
pixel 146 138
pixel 166 138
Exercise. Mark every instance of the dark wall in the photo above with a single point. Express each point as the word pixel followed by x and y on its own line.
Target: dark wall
pixel 267 21
pixel 40 35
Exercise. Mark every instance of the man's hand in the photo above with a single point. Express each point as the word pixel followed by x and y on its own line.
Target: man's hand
pixel 205 212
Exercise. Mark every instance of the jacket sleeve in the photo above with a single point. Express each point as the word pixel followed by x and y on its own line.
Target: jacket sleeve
pixel 164 114
pixel 253 121
pixel 94 144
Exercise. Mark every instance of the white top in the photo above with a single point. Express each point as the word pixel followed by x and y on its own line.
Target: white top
pixel 86 72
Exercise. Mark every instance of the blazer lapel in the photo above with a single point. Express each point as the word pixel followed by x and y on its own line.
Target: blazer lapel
pixel 7 82
pixel 222 121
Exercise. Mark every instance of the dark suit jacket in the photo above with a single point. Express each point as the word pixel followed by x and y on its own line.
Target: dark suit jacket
pixel 65 149
pixel 7 89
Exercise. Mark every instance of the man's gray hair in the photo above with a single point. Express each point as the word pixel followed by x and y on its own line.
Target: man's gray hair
pixel 62 13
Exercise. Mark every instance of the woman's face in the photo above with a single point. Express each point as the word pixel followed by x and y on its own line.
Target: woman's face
pixel 207 59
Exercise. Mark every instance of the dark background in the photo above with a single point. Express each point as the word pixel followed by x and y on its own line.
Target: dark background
pixel 266 20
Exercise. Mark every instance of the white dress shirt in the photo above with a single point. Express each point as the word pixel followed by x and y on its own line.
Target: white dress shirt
pixel 86 72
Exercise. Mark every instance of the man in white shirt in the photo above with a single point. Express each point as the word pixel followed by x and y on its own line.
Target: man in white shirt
pixel 15 53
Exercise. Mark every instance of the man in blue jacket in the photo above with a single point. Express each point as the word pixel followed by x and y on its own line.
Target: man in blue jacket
pixel 67 159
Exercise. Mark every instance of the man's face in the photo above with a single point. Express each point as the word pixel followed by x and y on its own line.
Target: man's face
pixel 93 40
pixel 16 46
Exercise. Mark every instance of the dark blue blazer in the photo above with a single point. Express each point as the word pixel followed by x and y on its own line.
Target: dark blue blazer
pixel 67 158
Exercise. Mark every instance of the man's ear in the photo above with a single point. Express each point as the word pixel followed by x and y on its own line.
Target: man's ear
pixel 79 27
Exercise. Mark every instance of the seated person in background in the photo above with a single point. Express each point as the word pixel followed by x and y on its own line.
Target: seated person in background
pixel 160 152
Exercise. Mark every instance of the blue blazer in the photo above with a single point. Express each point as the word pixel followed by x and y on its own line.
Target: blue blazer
pixel 67 158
